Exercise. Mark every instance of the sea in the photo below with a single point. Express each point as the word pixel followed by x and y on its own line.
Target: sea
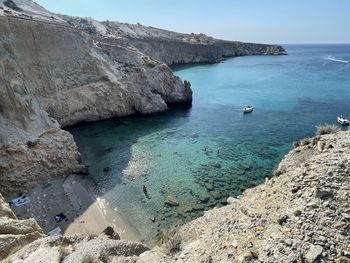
pixel 192 159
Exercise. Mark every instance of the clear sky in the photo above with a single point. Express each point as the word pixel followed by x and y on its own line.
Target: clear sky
pixel 269 21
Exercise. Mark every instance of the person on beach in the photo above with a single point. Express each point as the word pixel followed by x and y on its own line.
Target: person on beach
pixel 144 190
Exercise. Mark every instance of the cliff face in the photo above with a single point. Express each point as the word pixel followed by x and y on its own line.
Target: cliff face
pixel 32 146
pixel 77 80
pixel 174 53
pixel 174 48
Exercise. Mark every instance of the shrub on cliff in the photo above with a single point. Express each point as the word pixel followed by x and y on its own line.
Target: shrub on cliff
pixel 305 142
pixel 326 129
pixel 149 62
pixel 12 5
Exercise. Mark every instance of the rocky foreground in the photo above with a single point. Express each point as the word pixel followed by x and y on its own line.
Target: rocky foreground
pixel 302 214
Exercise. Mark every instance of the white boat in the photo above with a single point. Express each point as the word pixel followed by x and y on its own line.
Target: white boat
pixel 342 120
pixel 248 109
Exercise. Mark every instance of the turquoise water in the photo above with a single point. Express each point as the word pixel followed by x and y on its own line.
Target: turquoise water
pixel 202 155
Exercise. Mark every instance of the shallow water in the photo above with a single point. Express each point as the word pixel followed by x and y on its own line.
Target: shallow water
pixel 201 156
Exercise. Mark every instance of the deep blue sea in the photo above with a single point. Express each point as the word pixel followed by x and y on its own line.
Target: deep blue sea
pixel 202 155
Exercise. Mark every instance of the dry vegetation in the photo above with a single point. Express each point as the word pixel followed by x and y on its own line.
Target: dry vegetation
pixel 320 130
pixel 327 129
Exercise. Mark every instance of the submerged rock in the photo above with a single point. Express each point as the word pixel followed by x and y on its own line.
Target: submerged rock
pixel 216 195
pixel 171 201
pixel 209 186
pixel 107 169
pixel 198 207
pixel 216 165
pixel 204 198
pixel 186 209
pixel 271 223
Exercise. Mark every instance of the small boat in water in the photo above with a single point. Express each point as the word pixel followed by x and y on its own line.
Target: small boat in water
pixel 342 120
pixel 247 109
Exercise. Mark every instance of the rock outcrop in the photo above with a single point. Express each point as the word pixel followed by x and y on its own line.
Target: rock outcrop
pixel 77 80
pixel 14 233
pixel 51 154
pixel 80 249
pixel 173 48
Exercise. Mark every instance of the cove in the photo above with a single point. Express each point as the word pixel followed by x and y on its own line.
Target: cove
pixel 193 159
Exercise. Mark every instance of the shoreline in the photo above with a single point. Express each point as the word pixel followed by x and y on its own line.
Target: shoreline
pixel 73 197
pixel 96 213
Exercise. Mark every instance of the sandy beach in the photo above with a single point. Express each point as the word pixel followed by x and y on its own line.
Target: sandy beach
pixel 96 215
pixel 72 197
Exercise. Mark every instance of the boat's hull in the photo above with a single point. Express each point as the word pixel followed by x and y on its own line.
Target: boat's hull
pixel 248 109
pixel 343 122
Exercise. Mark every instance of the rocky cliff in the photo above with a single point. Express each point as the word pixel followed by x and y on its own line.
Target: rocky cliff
pixel 54 74
pixel 32 146
pixel 58 70
pixel 180 52
pixel 77 80
pixel 173 48
pixel 14 233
